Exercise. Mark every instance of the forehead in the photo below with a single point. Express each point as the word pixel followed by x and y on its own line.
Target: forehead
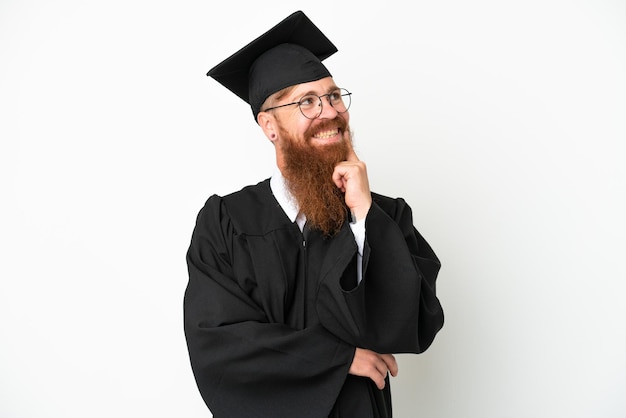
pixel 318 87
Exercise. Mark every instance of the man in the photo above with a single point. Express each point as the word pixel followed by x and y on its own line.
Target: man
pixel 301 287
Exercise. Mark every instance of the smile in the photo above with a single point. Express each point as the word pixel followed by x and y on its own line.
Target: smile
pixel 326 134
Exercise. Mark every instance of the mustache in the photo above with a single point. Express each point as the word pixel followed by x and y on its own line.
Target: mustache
pixel 326 124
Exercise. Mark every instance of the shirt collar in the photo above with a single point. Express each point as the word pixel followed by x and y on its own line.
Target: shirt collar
pixel 283 196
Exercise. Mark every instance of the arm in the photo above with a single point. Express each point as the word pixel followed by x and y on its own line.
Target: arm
pixel 246 365
pixel 404 313
pixel 395 307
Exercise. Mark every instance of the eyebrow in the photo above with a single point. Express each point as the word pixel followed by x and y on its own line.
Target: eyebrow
pixel 330 90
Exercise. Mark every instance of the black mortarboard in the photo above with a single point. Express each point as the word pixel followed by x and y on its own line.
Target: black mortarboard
pixel 288 54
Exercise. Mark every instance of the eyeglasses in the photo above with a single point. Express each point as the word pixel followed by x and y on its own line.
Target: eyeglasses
pixel 311 105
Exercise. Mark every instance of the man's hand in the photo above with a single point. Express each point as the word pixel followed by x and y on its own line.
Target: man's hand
pixel 351 177
pixel 367 363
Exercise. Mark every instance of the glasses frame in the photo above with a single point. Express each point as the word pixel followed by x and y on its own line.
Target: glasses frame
pixel 343 93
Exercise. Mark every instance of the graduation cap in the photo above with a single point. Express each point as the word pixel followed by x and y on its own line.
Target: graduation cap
pixel 288 54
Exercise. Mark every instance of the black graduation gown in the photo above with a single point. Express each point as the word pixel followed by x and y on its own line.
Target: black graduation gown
pixel 272 324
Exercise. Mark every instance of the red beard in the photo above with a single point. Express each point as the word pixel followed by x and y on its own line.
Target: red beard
pixel 308 173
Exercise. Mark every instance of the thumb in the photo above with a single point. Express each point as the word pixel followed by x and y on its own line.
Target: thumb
pixel 351 155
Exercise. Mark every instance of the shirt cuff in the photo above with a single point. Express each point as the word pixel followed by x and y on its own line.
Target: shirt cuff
pixel 358 230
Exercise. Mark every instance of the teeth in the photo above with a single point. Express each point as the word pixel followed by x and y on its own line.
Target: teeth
pixel 326 134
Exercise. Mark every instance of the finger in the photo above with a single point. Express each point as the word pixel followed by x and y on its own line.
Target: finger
pixel 338 178
pixel 351 155
pixel 369 364
pixel 379 373
pixel 342 173
pixel 391 363
pixel 379 381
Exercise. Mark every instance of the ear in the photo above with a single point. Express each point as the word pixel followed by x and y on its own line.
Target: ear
pixel 267 122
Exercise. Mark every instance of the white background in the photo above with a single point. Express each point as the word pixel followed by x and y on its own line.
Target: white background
pixel 502 124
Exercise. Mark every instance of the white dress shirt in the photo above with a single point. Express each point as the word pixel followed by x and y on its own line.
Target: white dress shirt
pixel 289 205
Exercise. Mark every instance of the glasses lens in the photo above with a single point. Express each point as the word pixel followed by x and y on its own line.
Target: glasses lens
pixel 341 100
pixel 311 105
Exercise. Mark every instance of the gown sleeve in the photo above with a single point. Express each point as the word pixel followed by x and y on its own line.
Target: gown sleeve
pixel 245 365
pixel 394 309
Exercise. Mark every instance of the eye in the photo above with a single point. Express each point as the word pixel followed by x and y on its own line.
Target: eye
pixel 335 96
pixel 309 101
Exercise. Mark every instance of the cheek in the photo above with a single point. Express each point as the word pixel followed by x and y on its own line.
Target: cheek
pixel 302 131
pixel 296 126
